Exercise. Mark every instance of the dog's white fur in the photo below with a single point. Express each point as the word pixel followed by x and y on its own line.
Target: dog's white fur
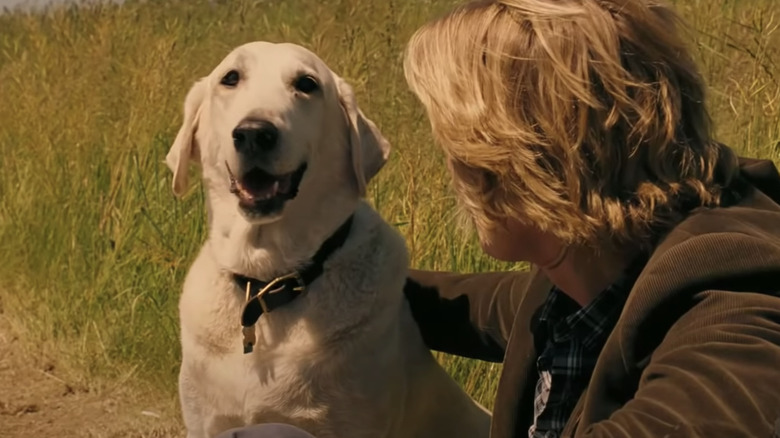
pixel 346 358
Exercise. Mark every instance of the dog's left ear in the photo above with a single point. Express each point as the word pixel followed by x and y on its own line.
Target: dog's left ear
pixel 184 148
pixel 369 148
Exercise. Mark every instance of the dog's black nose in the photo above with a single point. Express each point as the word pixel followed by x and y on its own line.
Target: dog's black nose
pixel 255 136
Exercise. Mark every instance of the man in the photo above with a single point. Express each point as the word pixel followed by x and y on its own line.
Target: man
pixel 578 140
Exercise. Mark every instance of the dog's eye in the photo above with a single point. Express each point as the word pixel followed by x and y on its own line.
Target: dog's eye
pixel 306 84
pixel 230 79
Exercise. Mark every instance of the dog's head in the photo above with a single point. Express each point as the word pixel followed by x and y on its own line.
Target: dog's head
pixel 272 124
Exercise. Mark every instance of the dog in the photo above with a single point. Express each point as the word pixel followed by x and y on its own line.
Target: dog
pixel 293 310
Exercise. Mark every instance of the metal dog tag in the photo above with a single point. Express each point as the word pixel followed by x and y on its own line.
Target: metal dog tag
pixel 249 338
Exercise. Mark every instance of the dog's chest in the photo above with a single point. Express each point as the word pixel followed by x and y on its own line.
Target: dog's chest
pixel 285 385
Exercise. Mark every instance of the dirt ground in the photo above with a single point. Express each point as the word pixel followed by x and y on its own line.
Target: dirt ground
pixel 37 400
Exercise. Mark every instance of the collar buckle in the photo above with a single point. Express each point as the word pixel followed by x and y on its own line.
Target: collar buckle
pixel 299 286
pixel 276 285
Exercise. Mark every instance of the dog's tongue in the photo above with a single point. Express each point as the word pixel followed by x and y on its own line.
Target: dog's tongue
pixel 284 183
pixel 258 185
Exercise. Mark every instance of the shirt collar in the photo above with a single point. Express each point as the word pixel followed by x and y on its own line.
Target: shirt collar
pixel 563 319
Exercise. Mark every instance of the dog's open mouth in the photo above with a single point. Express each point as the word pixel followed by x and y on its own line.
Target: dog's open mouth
pixel 261 192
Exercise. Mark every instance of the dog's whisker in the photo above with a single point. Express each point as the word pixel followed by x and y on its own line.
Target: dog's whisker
pixel 233 182
pixel 230 172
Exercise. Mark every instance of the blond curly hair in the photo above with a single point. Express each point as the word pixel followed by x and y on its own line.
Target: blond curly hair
pixel 585 118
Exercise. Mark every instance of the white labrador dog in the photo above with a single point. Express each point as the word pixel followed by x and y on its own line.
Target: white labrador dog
pixel 330 346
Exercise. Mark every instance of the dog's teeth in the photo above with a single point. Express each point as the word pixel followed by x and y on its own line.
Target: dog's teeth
pixel 271 191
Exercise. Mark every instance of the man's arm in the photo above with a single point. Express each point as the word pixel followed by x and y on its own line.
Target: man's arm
pixel 716 374
pixel 467 315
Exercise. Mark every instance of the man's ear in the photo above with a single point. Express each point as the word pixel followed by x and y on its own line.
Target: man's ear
pixel 368 147
pixel 184 149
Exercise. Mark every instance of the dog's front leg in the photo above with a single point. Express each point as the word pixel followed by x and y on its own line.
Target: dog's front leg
pixel 191 410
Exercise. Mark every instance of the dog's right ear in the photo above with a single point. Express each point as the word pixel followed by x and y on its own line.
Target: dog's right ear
pixel 369 148
pixel 184 148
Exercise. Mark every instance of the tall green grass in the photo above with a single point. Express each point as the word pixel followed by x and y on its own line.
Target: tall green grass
pixel 93 245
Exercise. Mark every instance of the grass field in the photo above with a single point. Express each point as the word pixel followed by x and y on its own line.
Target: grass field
pixel 93 245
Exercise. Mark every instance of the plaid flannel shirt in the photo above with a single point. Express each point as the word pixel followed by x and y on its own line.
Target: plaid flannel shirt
pixel 571 338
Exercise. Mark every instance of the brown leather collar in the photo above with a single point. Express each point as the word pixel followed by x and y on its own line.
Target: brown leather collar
pixel 266 296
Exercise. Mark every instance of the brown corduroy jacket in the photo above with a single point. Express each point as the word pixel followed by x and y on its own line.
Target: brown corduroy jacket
pixel 695 353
